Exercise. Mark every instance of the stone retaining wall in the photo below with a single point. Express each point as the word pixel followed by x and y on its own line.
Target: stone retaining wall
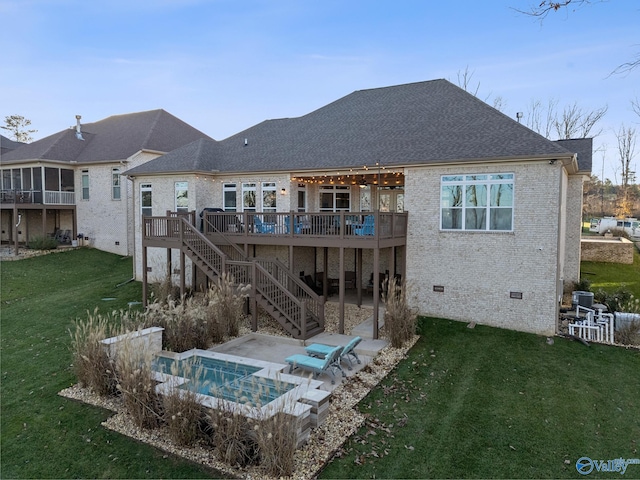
pixel 607 249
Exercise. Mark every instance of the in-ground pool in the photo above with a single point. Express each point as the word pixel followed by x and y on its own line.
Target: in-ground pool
pixel 224 378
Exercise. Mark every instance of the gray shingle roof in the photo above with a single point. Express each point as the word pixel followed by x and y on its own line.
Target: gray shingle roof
pixel 114 138
pixel 417 123
pixel 7 145
pixel 584 148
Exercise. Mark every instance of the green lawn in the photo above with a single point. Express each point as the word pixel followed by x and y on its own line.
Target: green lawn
pixel 44 435
pixel 491 403
pixel 610 276
pixel 477 402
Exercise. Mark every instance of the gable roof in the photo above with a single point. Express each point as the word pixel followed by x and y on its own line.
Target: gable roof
pixel 7 145
pixel 583 147
pixel 114 138
pixel 416 123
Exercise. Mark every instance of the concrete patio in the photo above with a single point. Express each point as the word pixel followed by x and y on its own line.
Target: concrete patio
pixel 275 349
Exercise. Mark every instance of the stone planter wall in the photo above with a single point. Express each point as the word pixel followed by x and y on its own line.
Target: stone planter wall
pixel 149 339
pixel 607 249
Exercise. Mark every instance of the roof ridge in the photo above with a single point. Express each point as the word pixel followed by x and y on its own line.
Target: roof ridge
pixel 155 122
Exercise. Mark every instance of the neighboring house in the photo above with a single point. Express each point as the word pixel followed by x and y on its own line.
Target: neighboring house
pixel 7 145
pixel 424 181
pixel 71 181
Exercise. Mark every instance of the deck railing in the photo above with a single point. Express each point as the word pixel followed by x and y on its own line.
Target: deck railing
pixel 383 225
pixel 35 196
pixel 279 271
pixel 283 292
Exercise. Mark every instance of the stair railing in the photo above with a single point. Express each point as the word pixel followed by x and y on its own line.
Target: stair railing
pixel 314 303
pixel 282 290
pixel 205 251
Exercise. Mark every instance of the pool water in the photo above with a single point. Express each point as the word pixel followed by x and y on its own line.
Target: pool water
pixel 224 379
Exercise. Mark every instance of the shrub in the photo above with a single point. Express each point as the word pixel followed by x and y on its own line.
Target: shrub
pixel 629 334
pixel 615 301
pixel 399 317
pixel 165 291
pixel 136 384
pixel 277 441
pixel 182 411
pixel 198 322
pixel 91 362
pixel 42 243
pixel 233 437
pixel 619 232
pixel 583 285
pixel 225 303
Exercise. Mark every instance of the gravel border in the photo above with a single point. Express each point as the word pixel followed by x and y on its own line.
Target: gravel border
pixel 342 420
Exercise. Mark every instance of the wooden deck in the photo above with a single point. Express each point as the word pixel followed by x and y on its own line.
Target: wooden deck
pixel 341 229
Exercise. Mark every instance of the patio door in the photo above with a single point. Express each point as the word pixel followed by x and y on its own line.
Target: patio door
pixel 391 200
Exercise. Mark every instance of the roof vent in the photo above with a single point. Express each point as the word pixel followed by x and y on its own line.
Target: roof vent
pixel 78 130
pixel 246 142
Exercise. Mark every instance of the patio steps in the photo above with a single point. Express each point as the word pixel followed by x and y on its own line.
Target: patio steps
pixel 283 305
pixel 313 326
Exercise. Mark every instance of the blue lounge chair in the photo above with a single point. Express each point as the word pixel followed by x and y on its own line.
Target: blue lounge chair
pixel 321 350
pixel 297 228
pixel 329 364
pixel 367 228
pixel 264 227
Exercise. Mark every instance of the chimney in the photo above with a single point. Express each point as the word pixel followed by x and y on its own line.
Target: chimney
pixel 78 128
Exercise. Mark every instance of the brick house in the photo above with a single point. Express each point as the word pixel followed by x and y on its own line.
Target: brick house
pixel 422 181
pixel 70 182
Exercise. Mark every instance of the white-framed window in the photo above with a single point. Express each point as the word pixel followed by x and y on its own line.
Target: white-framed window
pixel 182 196
pixel 248 197
pixel 115 183
pixel 146 204
pixel 334 198
pixel 269 197
pixel 477 202
pixel 85 184
pixel 302 197
pixel 229 197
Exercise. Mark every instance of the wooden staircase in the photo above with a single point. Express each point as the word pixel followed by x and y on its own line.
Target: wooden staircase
pixel 281 294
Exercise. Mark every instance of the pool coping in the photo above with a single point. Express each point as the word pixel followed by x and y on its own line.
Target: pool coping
pixel 291 402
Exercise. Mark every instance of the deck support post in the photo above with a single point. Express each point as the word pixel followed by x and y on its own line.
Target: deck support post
pixel 252 299
pixel 341 292
pixel 15 225
pixel 169 262
pixel 183 289
pixel 376 291
pixel 359 276
pixel 145 285
pixel 325 275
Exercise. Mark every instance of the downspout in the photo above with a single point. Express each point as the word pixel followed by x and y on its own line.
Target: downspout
pixel 19 217
pixel 133 206
pixel 560 261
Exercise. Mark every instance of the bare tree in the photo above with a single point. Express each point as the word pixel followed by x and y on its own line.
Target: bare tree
pixel 464 81
pixel 626 150
pixel 16 124
pixel 573 122
pixel 544 7
pixel 542 119
pixel 635 105
pixel 499 103
pixel 576 122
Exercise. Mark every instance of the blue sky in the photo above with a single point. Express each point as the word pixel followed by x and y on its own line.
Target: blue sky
pixel 225 65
